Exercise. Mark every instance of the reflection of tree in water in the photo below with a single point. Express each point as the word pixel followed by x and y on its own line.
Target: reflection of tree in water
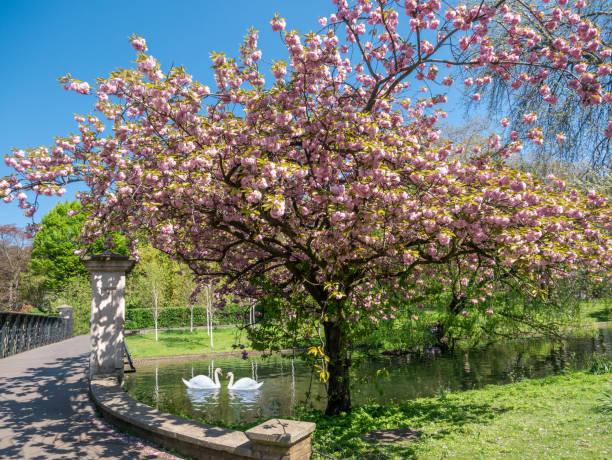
pixel 557 358
pixel 519 368
pixel 467 378
pixel 292 386
pixel 156 389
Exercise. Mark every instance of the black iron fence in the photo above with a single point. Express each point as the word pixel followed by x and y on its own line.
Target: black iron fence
pixel 21 332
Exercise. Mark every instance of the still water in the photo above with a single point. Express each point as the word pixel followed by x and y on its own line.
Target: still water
pixel 288 382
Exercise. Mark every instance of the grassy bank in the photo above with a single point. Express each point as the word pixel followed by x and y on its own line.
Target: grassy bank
pixel 183 342
pixel 596 312
pixel 555 417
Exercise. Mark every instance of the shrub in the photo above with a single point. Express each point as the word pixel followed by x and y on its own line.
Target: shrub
pixel 142 318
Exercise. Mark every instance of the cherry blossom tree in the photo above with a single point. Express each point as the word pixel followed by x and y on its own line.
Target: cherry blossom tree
pixel 555 101
pixel 329 184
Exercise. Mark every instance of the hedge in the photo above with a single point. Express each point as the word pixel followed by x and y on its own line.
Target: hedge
pixel 142 318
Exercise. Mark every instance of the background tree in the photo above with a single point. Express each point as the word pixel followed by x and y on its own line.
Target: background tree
pixel 151 287
pixel 76 293
pixel 328 188
pixel 548 90
pixel 54 246
pixel 185 288
pixel 205 299
pixel 14 258
pixel 32 293
pixel 57 246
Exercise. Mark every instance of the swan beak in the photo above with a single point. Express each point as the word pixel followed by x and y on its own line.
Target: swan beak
pixel 220 373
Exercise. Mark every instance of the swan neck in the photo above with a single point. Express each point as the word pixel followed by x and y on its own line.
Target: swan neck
pixel 217 379
pixel 231 382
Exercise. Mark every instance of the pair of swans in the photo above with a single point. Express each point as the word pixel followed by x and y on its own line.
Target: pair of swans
pixel 202 382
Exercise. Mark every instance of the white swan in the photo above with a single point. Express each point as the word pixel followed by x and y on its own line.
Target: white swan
pixel 202 382
pixel 243 383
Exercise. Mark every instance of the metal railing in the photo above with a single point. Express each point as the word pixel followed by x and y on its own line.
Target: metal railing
pixel 20 332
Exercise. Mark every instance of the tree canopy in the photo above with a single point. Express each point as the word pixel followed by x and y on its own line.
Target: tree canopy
pixel 329 186
pixel 57 243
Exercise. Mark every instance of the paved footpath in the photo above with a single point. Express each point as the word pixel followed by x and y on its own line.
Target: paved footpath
pixel 45 411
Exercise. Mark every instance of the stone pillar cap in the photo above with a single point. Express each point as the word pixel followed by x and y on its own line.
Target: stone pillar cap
pixel 65 310
pixel 280 432
pixel 108 262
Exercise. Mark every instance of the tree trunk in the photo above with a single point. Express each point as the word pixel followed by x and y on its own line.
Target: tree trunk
pixel 155 318
pixel 211 329
pixel 191 320
pixel 10 299
pixel 442 339
pixel 338 389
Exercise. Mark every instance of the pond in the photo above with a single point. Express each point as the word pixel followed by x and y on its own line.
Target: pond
pixel 288 382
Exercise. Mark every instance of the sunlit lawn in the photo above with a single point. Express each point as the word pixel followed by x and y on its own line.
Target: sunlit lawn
pixel 596 311
pixel 183 342
pixel 554 417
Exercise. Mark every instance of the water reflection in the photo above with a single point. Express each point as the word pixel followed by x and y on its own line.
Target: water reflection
pixel 202 398
pixel 156 389
pixel 287 381
pixel 249 397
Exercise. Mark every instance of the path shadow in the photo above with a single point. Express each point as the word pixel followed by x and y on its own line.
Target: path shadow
pixel 45 411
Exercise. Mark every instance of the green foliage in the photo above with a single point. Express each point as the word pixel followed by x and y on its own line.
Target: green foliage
pixel 439 320
pixel 280 324
pixel 600 365
pixel 32 292
pixel 77 294
pixel 36 311
pixel 153 285
pixel 169 317
pixel 156 275
pixel 55 243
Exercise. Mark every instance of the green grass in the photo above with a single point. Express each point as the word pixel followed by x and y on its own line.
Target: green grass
pixel 554 417
pixel 183 342
pixel 595 312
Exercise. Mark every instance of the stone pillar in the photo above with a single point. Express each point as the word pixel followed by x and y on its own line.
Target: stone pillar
pixel 279 439
pixel 108 272
pixel 65 313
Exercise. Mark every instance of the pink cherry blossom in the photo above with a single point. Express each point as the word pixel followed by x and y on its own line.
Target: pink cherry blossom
pixel 139 44
pixel 331 185
pixel 278 24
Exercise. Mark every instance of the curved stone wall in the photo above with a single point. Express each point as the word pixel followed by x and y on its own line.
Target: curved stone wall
pixel 272 440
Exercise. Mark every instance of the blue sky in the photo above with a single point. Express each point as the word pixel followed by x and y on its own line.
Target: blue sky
pixel 43 40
